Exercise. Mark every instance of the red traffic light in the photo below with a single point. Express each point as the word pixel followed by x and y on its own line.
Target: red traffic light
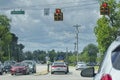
pixel 104 4
pixel 58 10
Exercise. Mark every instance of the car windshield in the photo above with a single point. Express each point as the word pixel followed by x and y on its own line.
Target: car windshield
pixel 43 33
pixel 58 63
pixel 19 64
pixel 80 63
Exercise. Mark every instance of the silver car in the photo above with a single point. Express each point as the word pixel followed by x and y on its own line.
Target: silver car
pixel 59 67
pixel 110 67
pixel 81 65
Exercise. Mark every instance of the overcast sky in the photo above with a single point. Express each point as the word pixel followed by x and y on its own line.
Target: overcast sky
pixel 37 31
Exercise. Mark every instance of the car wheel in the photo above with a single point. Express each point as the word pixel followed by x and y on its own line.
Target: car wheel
pixel 52 72
pixel 1 73
pixel 66 72
pixel 13 73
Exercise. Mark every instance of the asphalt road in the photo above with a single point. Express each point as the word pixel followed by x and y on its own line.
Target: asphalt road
pixel 72 75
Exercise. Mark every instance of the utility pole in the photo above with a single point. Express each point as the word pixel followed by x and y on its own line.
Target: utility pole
pixel 77 32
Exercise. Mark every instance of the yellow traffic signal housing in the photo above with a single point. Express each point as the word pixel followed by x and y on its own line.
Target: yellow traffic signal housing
pixel 101 10
pixel 58 16
pixel 55 17
pixel 107 10
pixel 104 9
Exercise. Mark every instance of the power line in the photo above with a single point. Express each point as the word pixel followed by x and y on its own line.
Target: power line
pixel 36 6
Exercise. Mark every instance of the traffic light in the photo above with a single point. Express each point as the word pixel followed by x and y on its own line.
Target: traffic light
pixel 104 9
pixel 58 15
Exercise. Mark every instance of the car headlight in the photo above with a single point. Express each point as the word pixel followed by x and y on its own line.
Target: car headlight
pixel 30 66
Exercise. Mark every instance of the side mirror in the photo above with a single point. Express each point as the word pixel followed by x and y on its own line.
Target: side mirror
pixel 88 72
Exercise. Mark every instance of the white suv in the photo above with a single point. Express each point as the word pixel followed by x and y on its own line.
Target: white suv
pixel 110 67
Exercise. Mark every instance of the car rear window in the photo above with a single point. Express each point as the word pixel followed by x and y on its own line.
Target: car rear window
pixel 116 58
pixel 59 63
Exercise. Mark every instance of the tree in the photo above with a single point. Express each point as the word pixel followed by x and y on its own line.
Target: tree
pixel 108 27
pixel 52 55
pixel 5 37
pixel 28 55
pixel 13 46
pixel 104 34
pixel 39 55
pixel 89 53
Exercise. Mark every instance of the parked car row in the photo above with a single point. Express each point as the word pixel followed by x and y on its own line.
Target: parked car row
pixel 13 67
pixel 1 69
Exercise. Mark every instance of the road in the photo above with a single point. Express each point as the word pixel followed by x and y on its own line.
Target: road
pixel 72 75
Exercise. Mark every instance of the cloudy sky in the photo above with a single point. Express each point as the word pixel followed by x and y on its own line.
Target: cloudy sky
pixel 37 31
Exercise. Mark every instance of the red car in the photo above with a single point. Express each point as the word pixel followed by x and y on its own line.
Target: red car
pixel 19 68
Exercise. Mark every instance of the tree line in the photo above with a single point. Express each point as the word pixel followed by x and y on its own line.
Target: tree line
pixel 9 47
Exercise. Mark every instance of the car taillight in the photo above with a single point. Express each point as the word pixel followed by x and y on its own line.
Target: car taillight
pixel 54 66
pixel 106 77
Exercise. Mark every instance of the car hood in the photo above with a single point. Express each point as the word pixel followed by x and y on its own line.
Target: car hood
pixel 18 67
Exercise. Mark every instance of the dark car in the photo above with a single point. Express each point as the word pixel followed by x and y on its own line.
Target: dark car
pixel 8 65
pixel 1 69
pixel 19 68
pixel 32 65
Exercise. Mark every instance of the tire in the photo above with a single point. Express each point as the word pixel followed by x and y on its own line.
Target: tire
pixel 1 73
pixel 52 72
pixel 12 74
pixel 66 72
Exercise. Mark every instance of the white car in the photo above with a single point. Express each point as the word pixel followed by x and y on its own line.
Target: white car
pixel 59 67
pixel 81 65
pixel 110 67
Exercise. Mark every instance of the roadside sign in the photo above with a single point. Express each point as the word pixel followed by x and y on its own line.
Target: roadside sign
pixel 46 11
pixel 17 12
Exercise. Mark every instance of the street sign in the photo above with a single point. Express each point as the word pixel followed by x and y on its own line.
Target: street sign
pixel 46 11
pixel 17 12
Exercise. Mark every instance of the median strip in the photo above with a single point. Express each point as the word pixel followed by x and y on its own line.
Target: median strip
pixel 43 72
